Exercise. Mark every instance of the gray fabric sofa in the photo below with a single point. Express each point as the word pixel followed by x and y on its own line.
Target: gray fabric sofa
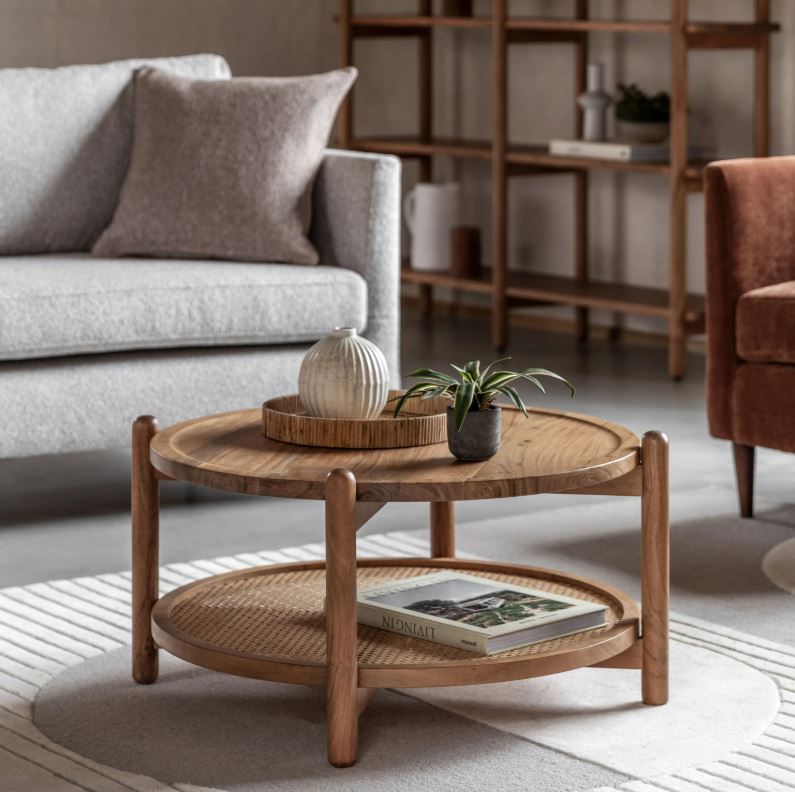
pixel 87 344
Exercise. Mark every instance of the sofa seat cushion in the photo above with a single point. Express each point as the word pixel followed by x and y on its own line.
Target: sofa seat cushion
pixel 70 304
pixel 766 324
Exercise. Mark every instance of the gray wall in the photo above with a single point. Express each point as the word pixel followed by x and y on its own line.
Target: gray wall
pixel 628 213
pixel 255 36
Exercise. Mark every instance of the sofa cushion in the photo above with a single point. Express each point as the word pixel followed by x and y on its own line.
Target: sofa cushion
pixel 766 324
pixel 65 142
pixel 224 169
pixel 71 304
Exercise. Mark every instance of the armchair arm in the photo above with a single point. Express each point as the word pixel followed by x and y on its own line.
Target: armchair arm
pixel 750 236
pixel 356 225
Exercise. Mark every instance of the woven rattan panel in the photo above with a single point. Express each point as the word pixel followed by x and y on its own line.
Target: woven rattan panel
pixel 281 615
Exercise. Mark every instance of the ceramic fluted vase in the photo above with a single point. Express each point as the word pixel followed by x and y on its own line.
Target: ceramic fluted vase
pixel 344 376
pixel 594 103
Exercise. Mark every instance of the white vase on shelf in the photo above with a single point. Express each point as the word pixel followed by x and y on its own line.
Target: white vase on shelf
pixel 344 376
pixel 594 103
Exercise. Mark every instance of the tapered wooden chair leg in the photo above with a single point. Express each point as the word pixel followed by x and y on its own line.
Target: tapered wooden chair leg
pixel 655 568
pixel 145 551
pixel 442 529
pixel 744 458
pixel 342 699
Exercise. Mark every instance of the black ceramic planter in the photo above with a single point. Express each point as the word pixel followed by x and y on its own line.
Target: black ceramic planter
pixel 478 438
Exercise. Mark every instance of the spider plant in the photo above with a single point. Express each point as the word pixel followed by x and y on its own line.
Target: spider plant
pixel 474 389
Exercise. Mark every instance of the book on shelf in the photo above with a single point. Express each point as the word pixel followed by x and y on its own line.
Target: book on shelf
pixel 615 150
pixel 478 614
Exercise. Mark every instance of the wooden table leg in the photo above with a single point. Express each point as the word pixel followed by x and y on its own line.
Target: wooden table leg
pixel 145 541
pixel 655 564
pixel 442 529
pixel 342 705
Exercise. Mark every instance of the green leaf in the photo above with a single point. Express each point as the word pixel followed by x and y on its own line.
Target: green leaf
pixel 414 390
pixel 539 372
pixel 431 374
pixel 473 369
pixel 514 396
pixel 534 381
pixel 463 401
pixel 493 363
pixel 440 391
pixel 465 375
pixel 499 378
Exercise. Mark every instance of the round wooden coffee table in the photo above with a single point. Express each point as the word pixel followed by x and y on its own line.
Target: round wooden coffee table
pixel 297 622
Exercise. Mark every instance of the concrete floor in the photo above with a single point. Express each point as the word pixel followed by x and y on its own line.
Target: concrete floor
pixel 68 516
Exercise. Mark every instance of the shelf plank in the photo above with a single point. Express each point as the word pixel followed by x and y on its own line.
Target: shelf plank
pixel 411 146
pixel 586 25
pixel 700 35
pixel 555 289
pixel 447 279
pixel 731 35
pixel 624 298
pixel 525 158
pixel 380 24
pixel 538 155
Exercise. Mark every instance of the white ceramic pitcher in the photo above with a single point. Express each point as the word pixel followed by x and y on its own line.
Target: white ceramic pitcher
pixel 431 212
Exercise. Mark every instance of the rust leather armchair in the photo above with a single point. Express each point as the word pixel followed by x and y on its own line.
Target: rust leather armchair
pixel 750 232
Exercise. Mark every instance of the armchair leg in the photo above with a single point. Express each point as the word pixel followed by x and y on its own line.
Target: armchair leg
pixel 744 457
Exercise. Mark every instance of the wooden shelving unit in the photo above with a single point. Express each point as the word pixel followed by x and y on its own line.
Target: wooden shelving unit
pixel 508 287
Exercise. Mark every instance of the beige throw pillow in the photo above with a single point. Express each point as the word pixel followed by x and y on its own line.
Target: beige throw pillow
pixel 224 169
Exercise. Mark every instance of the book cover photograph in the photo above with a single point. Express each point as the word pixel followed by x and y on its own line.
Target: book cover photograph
pixel 475 613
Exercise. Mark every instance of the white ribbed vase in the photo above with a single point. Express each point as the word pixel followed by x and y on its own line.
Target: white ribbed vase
pixel 344 376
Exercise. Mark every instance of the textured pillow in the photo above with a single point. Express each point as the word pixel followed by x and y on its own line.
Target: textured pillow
pixel 224 170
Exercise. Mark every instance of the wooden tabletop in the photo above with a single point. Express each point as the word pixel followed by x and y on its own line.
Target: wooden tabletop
pixel 547 452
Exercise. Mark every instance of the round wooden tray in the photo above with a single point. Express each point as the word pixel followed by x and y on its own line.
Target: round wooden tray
pixel 421 422
pixel 269 623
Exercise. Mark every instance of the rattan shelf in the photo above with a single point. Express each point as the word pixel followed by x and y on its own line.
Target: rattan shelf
pixel 269 622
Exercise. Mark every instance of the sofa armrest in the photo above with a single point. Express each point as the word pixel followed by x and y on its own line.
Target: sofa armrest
pixel 750 236
pixel 356 225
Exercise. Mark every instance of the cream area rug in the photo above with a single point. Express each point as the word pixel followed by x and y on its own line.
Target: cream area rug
pixel 71 718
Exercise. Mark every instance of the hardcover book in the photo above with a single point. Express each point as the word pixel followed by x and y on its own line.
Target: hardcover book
pixel 615 150
pixel 474 613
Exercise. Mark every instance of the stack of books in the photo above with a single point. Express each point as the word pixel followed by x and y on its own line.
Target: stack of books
pixel 474 613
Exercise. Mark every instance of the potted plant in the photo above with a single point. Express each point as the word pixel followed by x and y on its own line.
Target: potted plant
pixel 473 420
pixel 642 118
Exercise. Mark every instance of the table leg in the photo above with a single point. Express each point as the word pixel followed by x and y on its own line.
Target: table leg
pixel 342 706
pixel 654 572
pixel 442 529
pixel 145 540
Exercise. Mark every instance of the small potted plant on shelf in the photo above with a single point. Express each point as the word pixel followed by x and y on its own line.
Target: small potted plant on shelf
pixel 473 419
pixel 642 118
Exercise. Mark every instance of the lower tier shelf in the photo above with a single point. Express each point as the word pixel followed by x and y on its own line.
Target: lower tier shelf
pixel 555 289
pixel 269 623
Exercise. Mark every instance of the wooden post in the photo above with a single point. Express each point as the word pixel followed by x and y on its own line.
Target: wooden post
pixel 145 540
pixel 425 118
pixel 678 192
pixel 744 459
pixel 442 529
pixel 581 177
pixel 654 567
pixel 499 183
pixel 342 705
pixel 762 83
pixel 346 59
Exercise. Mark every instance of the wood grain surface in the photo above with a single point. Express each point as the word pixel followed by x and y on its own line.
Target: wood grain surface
pixel 547 452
